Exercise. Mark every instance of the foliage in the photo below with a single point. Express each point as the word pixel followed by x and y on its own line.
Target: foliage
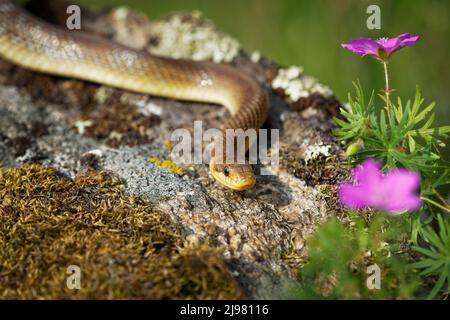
pixel 404 138
pixel 437 261
pixel 340 255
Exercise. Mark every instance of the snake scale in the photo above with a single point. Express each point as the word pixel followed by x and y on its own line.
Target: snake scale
pixel 32 43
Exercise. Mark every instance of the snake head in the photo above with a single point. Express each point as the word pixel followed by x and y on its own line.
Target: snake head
pixel 234 176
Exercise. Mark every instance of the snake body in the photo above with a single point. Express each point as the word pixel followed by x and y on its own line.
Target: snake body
pixel 37 45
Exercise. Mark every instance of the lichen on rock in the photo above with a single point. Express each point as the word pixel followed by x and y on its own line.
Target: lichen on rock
pixel 316 150
pixel 190 35
pixel 295 84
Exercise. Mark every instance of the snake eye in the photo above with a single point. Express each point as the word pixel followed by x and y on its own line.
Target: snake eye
pixel 226 171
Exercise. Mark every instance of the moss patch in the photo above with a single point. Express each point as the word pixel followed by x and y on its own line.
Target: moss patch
pixel 125 248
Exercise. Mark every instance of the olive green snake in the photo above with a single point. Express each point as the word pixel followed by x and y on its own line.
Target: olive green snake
pixel 34 44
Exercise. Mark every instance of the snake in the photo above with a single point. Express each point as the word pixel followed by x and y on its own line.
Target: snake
pixel 32 43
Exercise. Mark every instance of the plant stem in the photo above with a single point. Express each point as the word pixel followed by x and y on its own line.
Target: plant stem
pixel 387 91
pixel 440 197
pixel 435 203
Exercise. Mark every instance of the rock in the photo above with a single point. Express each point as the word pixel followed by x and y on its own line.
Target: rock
pixel 261 231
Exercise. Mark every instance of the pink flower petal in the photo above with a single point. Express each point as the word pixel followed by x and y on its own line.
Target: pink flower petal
pixel 367 177
pixel 368 173
pixel 394 44
pixel 362 46
pixel 400 187
pixel 353 197
pixel 394 192
pixel 381 48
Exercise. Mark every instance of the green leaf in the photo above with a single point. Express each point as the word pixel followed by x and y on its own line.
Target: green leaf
pixel 383 126
pixel 423 263
pixel 434 239
pixel 427 252
pixel 417 102
pixel 429 122
pixel 433 268
pixel 444 230
pixel 423 113
pixel 398 110
pixel 340 122
pixel 436 131
pixel 438 286
pixel 412 144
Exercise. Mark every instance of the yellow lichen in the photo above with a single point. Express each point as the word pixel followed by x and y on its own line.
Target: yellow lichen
pixel 169 164
pixel 168 145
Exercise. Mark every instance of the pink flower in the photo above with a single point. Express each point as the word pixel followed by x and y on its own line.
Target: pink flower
pixel 381 48
pixel 393 192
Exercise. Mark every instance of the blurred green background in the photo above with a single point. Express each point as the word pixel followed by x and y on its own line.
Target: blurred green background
pixel 309 33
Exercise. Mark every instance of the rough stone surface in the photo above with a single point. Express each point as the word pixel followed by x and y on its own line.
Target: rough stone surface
pixel 71 125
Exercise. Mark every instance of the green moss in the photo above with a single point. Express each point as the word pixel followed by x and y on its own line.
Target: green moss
pixel 124 247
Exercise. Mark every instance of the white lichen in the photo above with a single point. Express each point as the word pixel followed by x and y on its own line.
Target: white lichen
pixel 121 13
pixel 314 151
pixel 149 108
pixel 131 28
pixel 192 36
pixel 81 125
pixel 297 85
pixel 255 56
